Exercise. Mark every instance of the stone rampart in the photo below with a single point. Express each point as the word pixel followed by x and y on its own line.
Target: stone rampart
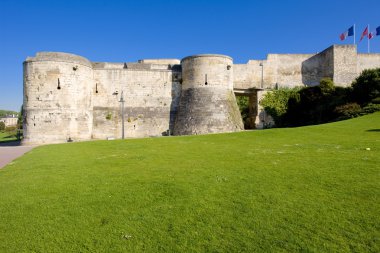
pixel 341 63
pixel 67 97
pixel 367 61
pixel 151 100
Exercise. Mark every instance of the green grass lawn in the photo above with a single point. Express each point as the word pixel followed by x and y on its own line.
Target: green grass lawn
pixel 8 136
pixel 309 189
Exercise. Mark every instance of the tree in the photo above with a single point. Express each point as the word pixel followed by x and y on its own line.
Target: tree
pixel 276 103
pixel 20 118
pixel 2 126
pixel 243 103
pixel 366 87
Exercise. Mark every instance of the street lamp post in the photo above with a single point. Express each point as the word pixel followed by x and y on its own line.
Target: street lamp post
pixel 262 74
pixel 122 114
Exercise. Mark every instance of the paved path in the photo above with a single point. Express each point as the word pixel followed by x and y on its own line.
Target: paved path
pixel 10 151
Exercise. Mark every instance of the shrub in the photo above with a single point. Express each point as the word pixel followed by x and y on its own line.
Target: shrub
pixel 316 104
pixel 350 110
pixel 375 100
pixel 371 108
pixel 325 102
pixel 2 126
pixel 276 103
pixel 10 128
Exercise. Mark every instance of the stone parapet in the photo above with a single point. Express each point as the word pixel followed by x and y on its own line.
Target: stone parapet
pixel 59 57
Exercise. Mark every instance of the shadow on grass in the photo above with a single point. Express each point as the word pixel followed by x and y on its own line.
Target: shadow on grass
pixel 373 130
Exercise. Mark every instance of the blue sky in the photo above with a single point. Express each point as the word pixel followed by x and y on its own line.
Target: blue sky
pixel 126 31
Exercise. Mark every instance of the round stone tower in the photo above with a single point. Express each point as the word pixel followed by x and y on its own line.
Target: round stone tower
pixel 57 98
pixel 207 103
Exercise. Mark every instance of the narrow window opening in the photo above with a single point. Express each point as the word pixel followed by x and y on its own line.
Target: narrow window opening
pixel 59 85
pixel 96 88
pixel 206 79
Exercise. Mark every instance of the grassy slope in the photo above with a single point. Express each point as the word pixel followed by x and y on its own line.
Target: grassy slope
pixel 302 189
pixel 8 136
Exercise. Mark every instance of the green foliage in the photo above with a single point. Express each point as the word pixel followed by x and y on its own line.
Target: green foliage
pixel 2 126
pixel 371 108
pixel 109 116
pixel 309 189
pixel 375 100
pixel 313 105
pixel 243 103
pixel 350 110
pixel 276 103
pixel 366 87
pixel 316 104
pixel 8 136
pixel 325 102
pixel 4 113
pixel 10 128
pixel 326 85
pixel 20 119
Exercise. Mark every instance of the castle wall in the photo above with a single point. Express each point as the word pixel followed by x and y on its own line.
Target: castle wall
pixel 283 70
pixel 247 76
pixel 317 67
pixel 345 64
pixel 341 63
pixel 367 61
pixel 68 97
pixel 289 69
pixel 57 98
pixel 151 97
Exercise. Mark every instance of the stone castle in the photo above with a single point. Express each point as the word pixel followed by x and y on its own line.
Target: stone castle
pixel 69 98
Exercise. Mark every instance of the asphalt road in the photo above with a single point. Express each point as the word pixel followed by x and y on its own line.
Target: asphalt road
pixel 10 151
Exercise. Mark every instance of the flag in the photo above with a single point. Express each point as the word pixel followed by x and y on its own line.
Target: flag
pixel 343 36
pixel 365 33
pixel 349 32
pixel 371 35
pixel 378 31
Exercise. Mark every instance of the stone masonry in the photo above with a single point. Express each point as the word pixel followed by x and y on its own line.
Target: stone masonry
pixel 67 97
pixel 207 103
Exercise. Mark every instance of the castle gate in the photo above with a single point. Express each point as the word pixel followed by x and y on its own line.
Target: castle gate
pixel 255 112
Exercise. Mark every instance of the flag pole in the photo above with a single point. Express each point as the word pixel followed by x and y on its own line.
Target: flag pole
pixel 368 37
